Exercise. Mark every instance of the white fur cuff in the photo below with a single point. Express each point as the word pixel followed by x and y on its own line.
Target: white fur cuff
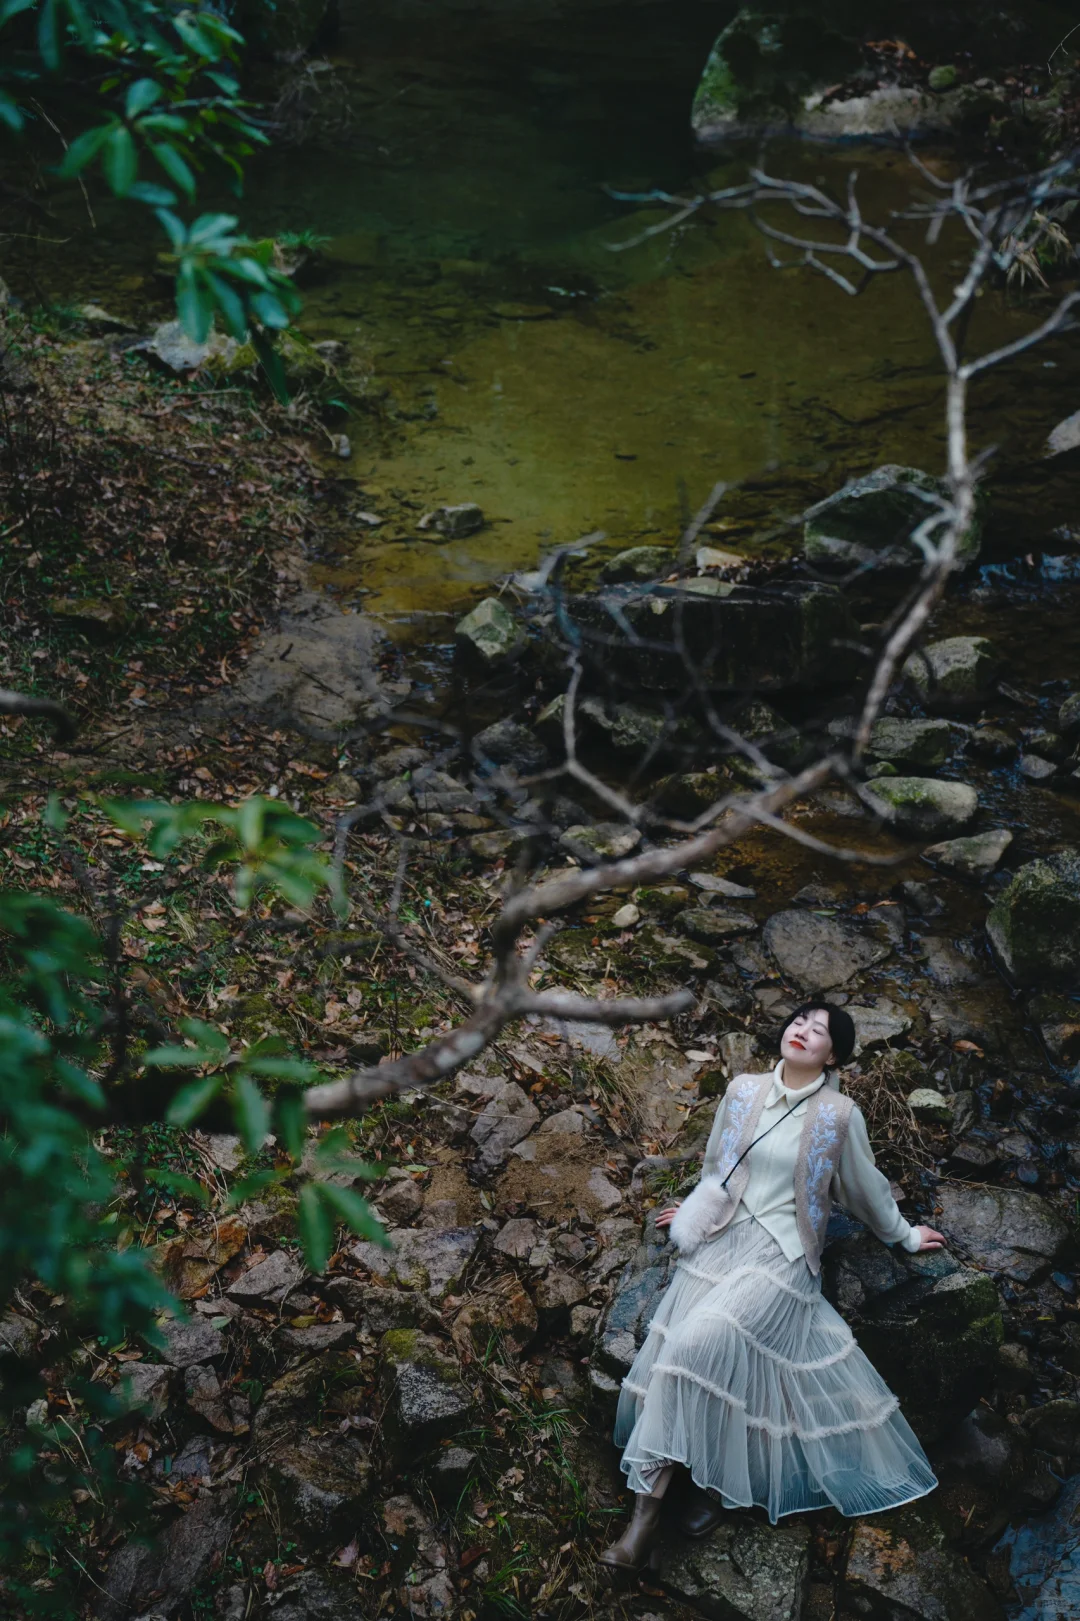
pixel 699 1216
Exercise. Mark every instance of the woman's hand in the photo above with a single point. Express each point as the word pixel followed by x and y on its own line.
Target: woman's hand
pixel 666 1217
pixel 929 1239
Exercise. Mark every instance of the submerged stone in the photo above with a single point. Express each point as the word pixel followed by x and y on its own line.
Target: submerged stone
pixel 871 521
pixel 974 857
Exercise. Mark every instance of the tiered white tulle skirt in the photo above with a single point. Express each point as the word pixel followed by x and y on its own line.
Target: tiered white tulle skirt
pixel 751 1379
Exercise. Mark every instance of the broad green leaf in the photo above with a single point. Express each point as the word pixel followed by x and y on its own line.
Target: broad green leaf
pixel 249 822
pixel 210 230
pixel 179 1058
pixel 12 8
pixel 191 1100
pixel 193 305
pixel 174 229
pixel 208 1035
pixel 10 112
pixel 119 160
pixel 54 815
pixel 270 310
pixel 176 167
pixel 83 149
pixel 251 1112
pixel 141 94
pixel 315 1227
pixel 351 1208
pixel 144 191
pixel 249 1186
pixel 79 1083
pixel 284 1069
pixel 290 1118
pixel 49 36
pixel 176 1182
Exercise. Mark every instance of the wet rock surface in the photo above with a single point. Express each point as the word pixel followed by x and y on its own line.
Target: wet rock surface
pixel 744 1571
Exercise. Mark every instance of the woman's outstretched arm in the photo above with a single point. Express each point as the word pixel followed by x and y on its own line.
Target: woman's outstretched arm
pixel 864 1191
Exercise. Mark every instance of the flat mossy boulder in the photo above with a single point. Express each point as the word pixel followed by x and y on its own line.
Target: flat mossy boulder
pixel 425 1399
pixel 744 1571
pixel 1034 925
pixel 714 925
pixel 922 745
pixel 869 523
pixel 820 953
pixel 923 807
pixel 760 68
pixel 957 673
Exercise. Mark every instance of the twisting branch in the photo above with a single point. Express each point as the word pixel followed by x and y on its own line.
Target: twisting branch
pixel 996 216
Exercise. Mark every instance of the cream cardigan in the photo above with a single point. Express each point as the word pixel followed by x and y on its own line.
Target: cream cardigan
pixel 769 1195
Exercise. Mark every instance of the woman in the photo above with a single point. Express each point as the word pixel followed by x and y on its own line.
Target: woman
pixel 748 1377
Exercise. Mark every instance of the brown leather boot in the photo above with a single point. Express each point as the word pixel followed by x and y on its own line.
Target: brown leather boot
pixel 632 1552
pixel 698 1512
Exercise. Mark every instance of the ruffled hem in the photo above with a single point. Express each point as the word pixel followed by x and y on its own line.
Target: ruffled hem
pixel 751 1380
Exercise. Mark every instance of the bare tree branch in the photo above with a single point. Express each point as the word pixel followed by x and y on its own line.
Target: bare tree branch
pixel 19 703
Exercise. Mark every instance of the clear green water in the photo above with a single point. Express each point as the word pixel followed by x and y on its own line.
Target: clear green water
pixel 565 387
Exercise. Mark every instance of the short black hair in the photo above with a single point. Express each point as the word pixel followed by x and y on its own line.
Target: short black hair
pixel 841 1027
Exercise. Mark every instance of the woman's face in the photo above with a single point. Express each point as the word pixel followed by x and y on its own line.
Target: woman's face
pixel 807 1040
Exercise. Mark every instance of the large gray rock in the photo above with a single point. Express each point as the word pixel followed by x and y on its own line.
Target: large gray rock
pixel 425 1398
pixel 923 806
pixel 227 1410
pixel 921 745
pixel 974 857
pixel 314 1595
pixel 188 1340
pixel 269 1283
pixel 508 743
pixel 504 1121
pixel 429 1258
pixel 604 841
pixel 1034 925
pixel 930 1325
pixel 957 673
pixel 144 1387
pixel 877 1027
pixel 644 1278
pixel 323 1483
pixel 743 1571
pixel 820 953
pixel 170 1566
pixel 871 521
pixel 1005 1230
pixel 899 1568
pixel 714 925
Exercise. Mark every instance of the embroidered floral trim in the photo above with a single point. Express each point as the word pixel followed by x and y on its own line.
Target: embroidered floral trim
pixel 780 1431
pixel 823 1138
pixel 738 1103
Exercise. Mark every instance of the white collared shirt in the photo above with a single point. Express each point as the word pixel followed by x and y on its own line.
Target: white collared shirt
pixel 769 1196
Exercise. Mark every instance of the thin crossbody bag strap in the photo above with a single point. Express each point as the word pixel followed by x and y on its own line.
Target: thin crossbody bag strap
pixel 764 1134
